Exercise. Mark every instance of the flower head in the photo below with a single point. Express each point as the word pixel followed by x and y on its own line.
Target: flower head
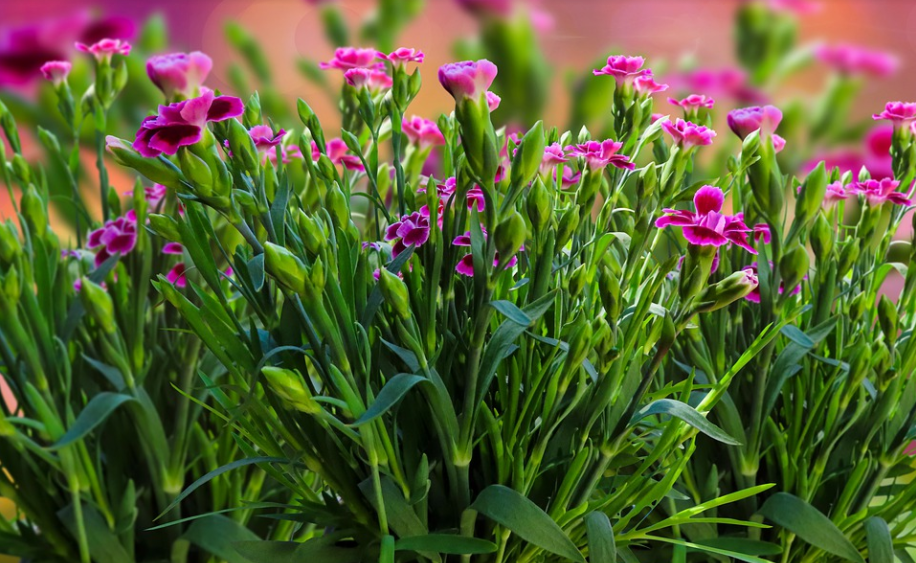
pixel 897 112
pixel 624 69
pixel 755 294
pixel 553 155
pixel 878 192
pixel 646 85
pixel 467 79
pixel 708 226
pixel 287 154
pixel 402 56
pixel 56 71
pixel 835 192
pixel 154 194
pixel 745 121
pixel 173 248
pixel 176 275
pixel 600 154
pixel 116 236
pixel 181 124
pixel 337 149
pixel 687 134
pixel 346 58
pixel 762 232
pixel 411 230
pixel 693 102
pixel 465 265
pixel 727 82
pixel 265 139
pixel 179 73
pixel 570 178
pixel 852 59
pixel 103 50
pixel 493 101
pixel 368 78
pixel 445 191
pixel 422 132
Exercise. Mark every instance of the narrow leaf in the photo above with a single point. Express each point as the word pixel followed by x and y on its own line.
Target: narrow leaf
pixel 809 524
pixel 880 544
pixel 389 396
pixel 95 413
pixel 447 544
pixel 686 413
pixel 601 546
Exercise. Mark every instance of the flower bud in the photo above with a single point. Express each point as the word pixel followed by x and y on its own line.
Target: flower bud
pixel 21 169
pixel 899 251
pixel 312 233
pixel 156 169
pixel 695 270
pixel 609 291
pixel 10 247
pixel 822 238
pixel 394 290
pixel 336 203
pixel 10 285
pixel 197 171
pixel 569 221
pixel 243 147
pixel 529 156
pixel 576 281
pixel 34 211
pixel 510 235
pixel 857 306
pixel 538 205
pixel 848 256
pixel 812 193
pixel 164 226
pixel 245 200
pixel 49 141
pixel 734 287
pixel 317 276
pixel 793 266
pixel 646 183
pixel 579 343
pixel 887 318
pixel 285 267
pixel 98 304
pixel 290 387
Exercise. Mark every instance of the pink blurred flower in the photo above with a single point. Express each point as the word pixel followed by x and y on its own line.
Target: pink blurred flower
pixel 411 230
pixel 762 231
pixel 104 49
pixel 541 20
pixel 371 79
pixel 346 58
pixel 646 85
pixel 624 69
pixel 693 102
pixel 852 59
pixel 176 275
pixel 173 248
pixel 56 71
pixel 570 177
pixel 878 192
pixel 897 112
pixel 553 155
pixel 402 56
pixel 493 101
pixel 287 154
pixel 708 226
pixel 179 73
pixel 687 134
pixel 467 79
pixel 778 143
pixel 797 7
pixel 181 124
pixel 337 152
pixel 835 192
pixel 115 236
pixel 422 132
pixel 154 194
pixel 444 192
pixel 264 137
pixel 727 82
pixel 745 121
pixel 600 154
pixel 755 294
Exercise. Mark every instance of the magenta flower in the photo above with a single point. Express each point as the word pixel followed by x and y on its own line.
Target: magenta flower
pixel 174 248
pixel 897 112
pixel 104 49
pixel 411 230
pixel 646 85
pixel 687 134
pixel 444 192
pixel 851 59
pixel 465 265
pixel 176 275
pixel 287 154
pixel 693 102
pixel 797 7
pixel 553 155
pixel 264 137
pixel 600 154
pixel 755 294
pixel 368 78
pixel 56 71
pixel 179 73
pixel 346 58
pixel 835 192
pixel 154 194
pixel 493 101
pixel 745 121
pixel 878 192
pixel 570 178
pixel 708 226
pixel 761 231
pixel 182 123
pixel 402 56
pixel 336 150
pixel 778 143
pixel 712 269
pixel 728 82
pixel 467 79
pixel 117 236
pixel 624 69
pixel 422 132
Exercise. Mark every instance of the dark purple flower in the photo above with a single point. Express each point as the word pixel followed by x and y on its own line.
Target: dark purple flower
pixel 708 226
pixel 181 124
pixel 411 230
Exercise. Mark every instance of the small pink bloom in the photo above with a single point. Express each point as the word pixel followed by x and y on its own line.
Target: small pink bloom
pixel 745 121
pixel 181 124
pixel 835 192
pixel 656 116
pixel 493 101
pixel 553 155
pixel 337 153
pixel 778 143
pixel 154 194
pixel 877 192
pixel 687 134
pixel 693 102
pixel 346 58
pixel 601 154
pixel 173 248
pixel 176 275
pixel 646 85
pixel 851 59
pixel 444 192
pixel 728 82
pixel 707 226
pixel 264 137
pixel 467 79
pixel 115 236
pixel 179 73
pixel 422 132
pixel 797 7
pixel 56 71
pixel 897 112
pixel 368 78
pixel 570 178
pixel 624 69
pixel 104 49
pixel 762 231
pixel 755 294
pixel 465 265
pixel 541 20
pixel 411 230
pixel 287 154
pixel 402 56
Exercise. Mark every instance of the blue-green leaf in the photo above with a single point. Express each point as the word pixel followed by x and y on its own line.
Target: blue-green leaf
pixel 390 395
pixel 512 312
pixel 447 544
pixel 686 413
pixel 809 524
pixel 216 535
pixel 95 413
pixel 880 543
pixel 601 546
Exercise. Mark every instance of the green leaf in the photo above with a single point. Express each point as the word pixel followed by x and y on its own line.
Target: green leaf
pixel 686 413
pixel 880 544
pixel 447 544
pixel 715 550
pixel 809 524
pixel 319 550
pixel 256 271
pixel 601 546
pixel 216 535
pixel 512 312
pixel 104 546
pixel 795 334
pixel 111 373
pixel 741 545
pixel 389 396
pixel 95 413
pixel 511 509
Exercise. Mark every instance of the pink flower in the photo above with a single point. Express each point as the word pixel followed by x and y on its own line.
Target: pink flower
pixel 56 71
pixel 497 8
pixel 444 192
pixel 687 134
pixel 553 155
pixel 493 101
pixel 645 85
pixel 897 112
pixel 600 154
pixel 181 124
pixel 707 226
pixel 422 132
pixel 117 236
pixel 797 7
pixel 745 121
pixel 411 230
pixel 336 150
pixel 465 265
pixel 877 192
pixel 762 231
pixel 346 58
pixel 179 73
pixel 693 102
pixel 264 137
pixel 154 194
pixel 402 56
pixel 851 59
pixel 368 78
pixel 728 82
pixel 835 192
pixel 467 79
pixel 755 294
pixel 624 69
pixel 105 48
pixel 173 248
pixel 176 275
pixel 778 143
pixel 570 178
pixel 287 154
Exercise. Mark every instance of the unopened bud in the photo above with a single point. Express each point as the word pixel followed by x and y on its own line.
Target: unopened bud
pixel 98 304
pixel 10 247
pixel 857 306
pixel 646 182
pixel 793 266
pixel 734 287
pixel 242 147
pixel 336 203
pixel 848 256
pixel 576 281
pixel 285 267
pixel 394 290
pixel 197 171
pixel 538 205
pixel 822 238
pixel 312 233
pixel 609 291
pixel 811 196
pixel 34 211
pixel 529 156
pixel 510 235
pixel 887 318
pixel 290 387
pixel 569 221
pixel 10 285
pixel 164 226
pixel 158 170
pixel 579 343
